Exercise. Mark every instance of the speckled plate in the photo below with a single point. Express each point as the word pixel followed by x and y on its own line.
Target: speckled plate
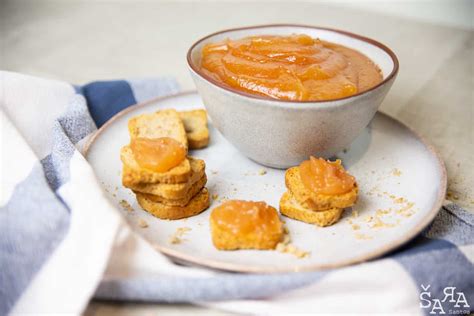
pixel 401 178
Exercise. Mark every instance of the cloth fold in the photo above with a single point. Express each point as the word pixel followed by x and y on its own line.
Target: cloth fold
pixel 62 242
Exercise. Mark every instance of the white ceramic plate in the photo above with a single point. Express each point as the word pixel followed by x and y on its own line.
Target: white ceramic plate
pixel 402 184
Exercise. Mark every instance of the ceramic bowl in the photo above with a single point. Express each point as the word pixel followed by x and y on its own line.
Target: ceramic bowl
pixel 279 133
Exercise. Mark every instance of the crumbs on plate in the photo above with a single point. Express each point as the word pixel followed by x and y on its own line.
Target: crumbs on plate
pixel 126 206
pixel 383 217
pixel 177 237
pixel 285 246
pixel 378 223
pixel 361 236
pixel 396 172
pixel 142 223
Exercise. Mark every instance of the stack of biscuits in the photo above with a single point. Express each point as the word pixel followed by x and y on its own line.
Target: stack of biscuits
pixel 179 192
pixel 302 204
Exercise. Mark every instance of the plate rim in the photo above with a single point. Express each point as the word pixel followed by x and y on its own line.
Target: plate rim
pixel 219 265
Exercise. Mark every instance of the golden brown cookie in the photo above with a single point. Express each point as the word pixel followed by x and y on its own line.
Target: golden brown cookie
pixel 177 201
pixel 313 201
pixel 255 227
pixel 196 205
pixel 134 174
pixel 173 190
pixel 291 208
pixel 195 124
pixel 164 123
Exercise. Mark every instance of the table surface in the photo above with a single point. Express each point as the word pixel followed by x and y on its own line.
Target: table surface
pixel 85 41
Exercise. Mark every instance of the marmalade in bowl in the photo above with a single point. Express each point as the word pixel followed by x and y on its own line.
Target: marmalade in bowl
pixel 296 67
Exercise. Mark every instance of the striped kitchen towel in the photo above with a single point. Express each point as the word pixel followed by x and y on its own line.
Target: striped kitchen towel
pixel 62 243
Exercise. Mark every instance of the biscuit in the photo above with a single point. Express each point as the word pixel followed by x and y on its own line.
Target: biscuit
pixel 133 174
pixel 290 207
pixel 183 200
pixel 195 124
pixel 229 239
pixel 196 205
pixel 173 190
pixel 313 201
pixel 164 123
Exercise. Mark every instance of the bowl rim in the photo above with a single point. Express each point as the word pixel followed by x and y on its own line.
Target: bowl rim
pixel 218 84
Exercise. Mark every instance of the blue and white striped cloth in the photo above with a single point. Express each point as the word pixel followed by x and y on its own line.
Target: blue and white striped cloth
pixel 62 243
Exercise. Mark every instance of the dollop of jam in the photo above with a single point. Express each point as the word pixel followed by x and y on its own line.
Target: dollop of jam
pixel 157 154
pixel 295 67
pixel 325 177
pixel 244 217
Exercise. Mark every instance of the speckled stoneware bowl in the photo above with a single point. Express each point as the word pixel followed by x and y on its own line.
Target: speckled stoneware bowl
pixel 283 133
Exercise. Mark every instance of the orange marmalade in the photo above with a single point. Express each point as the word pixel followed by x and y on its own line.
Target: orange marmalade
pixel 247 217
pixel 325 177
pixel 295 67
pixel 157 154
